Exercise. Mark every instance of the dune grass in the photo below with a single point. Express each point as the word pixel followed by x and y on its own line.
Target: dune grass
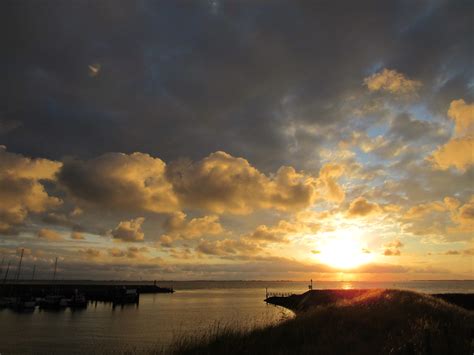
pixel 375 322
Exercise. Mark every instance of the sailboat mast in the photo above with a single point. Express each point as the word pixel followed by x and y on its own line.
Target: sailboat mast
pixel 55 268
pixel 1 266
pixel 6 273
pixel 19 265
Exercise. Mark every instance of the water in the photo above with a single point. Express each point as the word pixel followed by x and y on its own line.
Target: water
pixel 161 318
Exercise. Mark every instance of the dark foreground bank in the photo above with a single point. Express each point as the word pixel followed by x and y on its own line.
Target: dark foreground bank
pixel 358 322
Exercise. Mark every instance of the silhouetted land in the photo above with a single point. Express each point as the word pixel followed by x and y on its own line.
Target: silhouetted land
pixel 93 290
pixel 350 322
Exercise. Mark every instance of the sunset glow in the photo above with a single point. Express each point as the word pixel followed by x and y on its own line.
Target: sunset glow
pixel 344 249
pixel 238 140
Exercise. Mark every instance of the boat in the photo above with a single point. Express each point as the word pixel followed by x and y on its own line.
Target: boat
pixel 78 300
pixel 7 302
pixel 54 302
pixel 24 304
pixel 123 295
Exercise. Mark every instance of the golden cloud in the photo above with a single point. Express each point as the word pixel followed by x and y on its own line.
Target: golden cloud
pixel 77 236
pixel 21 188
pixel 129 231
pixel 327 181
pixel 90 253
pixel 464 217
pixel 130 252
pixel 134 182
pixel 176 227
pixel 280 232
pixel 222 183
pixel 391 81
pixel 425 208
pixel 394 244
pixel 219 183
pixel 463 116
pixel 227 247
pixel 360 207
pixel 458 152
pixel 49 234
pixel 392 252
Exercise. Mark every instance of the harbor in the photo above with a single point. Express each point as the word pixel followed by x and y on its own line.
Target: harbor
pixel 48 294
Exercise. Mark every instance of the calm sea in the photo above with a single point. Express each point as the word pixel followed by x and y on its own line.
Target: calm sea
pixel 161 318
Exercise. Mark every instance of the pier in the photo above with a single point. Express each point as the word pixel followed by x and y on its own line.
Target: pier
pixel 105 291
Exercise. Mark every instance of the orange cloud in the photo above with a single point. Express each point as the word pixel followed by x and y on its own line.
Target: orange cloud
pixel 21 188
pixel 458 152
pixel 328 176
pixel 222 183
pixel 227 247
pixel 219 183
pixel 391 81
pixel 360 207
pixel 176 227
pixel 49 234
pixel 135 182
pixel 130 252
pixel 129 231
pixel 77 236
pixel 463 116
pixel 393 248
pixel 392 252
pixel 90 253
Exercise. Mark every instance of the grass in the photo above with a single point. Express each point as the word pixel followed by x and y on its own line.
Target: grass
pixel 373 322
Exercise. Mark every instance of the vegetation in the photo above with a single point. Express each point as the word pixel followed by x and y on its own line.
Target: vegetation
pixel 373 322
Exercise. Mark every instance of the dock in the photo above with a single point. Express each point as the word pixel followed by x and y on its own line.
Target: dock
pixel 105 291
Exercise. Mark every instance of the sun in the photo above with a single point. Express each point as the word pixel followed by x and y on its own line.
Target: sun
pixel 344 249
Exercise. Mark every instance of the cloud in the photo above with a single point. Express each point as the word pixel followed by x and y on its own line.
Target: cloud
pixel 423 209
pixel 77 236
pixel 280 232
pixel 360 207
pixel 94 69
pixel 219 183
pixel 391 81
pixel 394 244
pixel 451 202
pixel 117 181
pixel 194 228
pixel 452 252
pixel 129 231
pixel 90 253
pixel 176 227
pixel 222 183
pixel 227 247
pixel 130 252
pixel 391 252
pixel 328 176
pixel 458 152
pixel 49 234
pixel 464 217
pixel 21 188
pixel 393 248
pixel 463 116
pixel 465 252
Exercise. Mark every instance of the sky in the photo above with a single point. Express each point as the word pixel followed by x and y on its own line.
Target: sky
pixel 181 140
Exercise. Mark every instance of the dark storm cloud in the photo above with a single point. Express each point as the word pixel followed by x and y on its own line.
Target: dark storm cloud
pixel 185 78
